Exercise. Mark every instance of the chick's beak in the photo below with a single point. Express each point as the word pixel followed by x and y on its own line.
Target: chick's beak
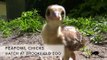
pixel 57 15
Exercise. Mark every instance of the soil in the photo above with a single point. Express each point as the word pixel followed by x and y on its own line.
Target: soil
pixel 35 38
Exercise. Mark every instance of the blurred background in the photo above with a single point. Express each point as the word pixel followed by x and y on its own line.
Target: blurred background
pixel 74 8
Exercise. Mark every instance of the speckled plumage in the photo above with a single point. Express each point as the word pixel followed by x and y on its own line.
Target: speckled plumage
pixel 54 32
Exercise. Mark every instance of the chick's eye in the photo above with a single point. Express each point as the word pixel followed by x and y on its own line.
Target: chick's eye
pixel 62 13
pixel 48 12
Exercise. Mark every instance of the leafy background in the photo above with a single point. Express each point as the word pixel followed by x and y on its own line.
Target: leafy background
pixel 89 16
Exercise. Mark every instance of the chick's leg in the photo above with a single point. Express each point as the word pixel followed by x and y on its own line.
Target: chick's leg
pixel 69 55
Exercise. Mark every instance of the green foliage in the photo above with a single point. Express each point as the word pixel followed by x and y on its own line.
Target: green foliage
pixel 97 38
pixel 90 8
pixel 92 27
pixel 83 24
pixel 4 29
pixel 29 21
pixel 74 8
pixel 86 51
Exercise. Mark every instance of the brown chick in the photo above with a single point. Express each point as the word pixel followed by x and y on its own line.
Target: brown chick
pixel 54 32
